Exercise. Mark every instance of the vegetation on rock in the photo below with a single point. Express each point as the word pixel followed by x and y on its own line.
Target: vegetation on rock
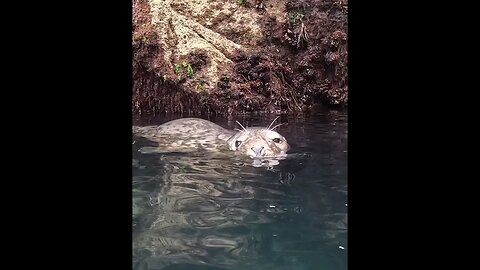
pixel 258 56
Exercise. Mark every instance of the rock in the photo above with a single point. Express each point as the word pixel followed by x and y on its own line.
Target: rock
pixel 231 56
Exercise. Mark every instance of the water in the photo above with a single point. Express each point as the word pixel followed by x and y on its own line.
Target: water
pixel 208 212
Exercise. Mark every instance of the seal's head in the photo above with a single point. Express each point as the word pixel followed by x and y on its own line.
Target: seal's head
pixel 259 142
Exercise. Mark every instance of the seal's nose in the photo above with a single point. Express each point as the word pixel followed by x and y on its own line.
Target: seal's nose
pixel 257 150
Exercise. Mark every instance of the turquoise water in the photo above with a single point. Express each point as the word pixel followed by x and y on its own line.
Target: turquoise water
pixel 205 212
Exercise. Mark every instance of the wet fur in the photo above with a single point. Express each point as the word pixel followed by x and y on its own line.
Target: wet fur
pixel 190 134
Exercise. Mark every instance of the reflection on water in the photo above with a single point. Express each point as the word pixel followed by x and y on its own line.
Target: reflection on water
pixel 204 211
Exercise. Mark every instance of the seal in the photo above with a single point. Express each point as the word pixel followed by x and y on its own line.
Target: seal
pixel 188 134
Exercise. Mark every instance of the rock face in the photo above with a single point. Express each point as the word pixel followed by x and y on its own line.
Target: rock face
pixel 232 56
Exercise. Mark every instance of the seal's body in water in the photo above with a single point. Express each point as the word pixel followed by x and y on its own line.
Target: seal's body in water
pixel 192 134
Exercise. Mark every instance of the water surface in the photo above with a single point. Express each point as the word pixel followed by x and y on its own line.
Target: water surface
pixel 199 211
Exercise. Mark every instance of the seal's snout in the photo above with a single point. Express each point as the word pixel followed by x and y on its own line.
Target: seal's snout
pixel 257 150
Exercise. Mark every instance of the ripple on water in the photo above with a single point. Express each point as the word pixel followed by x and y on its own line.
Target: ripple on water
pixel 212 211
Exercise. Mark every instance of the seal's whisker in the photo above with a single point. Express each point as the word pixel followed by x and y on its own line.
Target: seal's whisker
pixel 241 125
pixel 276 126
pixel 273 122
pixel 186 134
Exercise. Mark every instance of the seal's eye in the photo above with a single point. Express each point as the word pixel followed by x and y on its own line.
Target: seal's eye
pixel 277 140
pixel 237 143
